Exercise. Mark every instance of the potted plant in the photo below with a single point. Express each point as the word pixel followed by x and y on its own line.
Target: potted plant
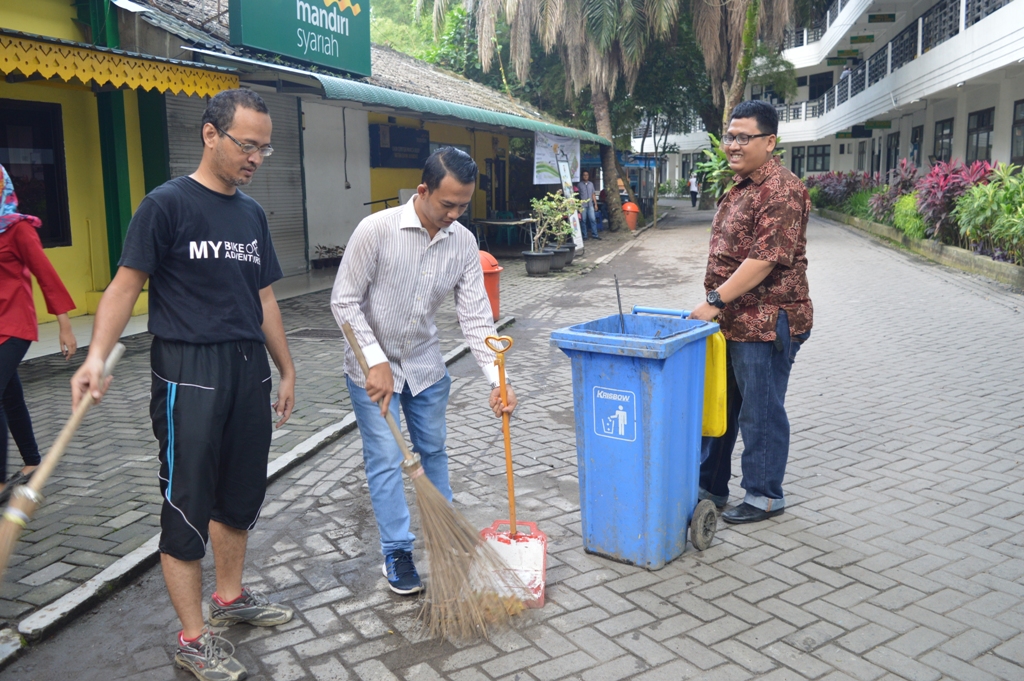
pixel 552 225
pixel 327 256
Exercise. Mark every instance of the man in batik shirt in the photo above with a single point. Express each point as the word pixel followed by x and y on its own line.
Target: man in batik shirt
pixel 756 286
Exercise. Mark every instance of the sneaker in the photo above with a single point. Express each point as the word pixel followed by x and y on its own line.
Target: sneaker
pixel 401 573
pixel 209 658
pixel 251 607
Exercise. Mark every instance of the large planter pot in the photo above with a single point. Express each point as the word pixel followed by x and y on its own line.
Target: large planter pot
pixel 558 257
pixel 538 263
pixel 572 253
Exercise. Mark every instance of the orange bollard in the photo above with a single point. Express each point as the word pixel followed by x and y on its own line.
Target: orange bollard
pixel 492 274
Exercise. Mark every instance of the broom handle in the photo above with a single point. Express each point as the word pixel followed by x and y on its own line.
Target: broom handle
pixel 350 336
pixel 500 345
pixel 53 456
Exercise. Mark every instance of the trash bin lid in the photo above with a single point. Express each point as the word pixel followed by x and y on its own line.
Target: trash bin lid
pixel 630 207
pixel 489 263
pixel 647 336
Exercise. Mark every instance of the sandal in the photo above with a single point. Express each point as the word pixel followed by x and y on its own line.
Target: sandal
pixel 18 478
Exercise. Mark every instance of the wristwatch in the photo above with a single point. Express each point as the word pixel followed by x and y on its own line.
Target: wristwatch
pixel 716 300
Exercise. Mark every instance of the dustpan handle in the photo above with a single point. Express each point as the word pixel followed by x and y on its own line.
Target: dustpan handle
pixel 350 336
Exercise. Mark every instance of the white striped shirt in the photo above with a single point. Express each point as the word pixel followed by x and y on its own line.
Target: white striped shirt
pixel 392 280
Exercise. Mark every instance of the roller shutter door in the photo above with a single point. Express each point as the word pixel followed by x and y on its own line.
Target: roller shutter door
pixel 277 185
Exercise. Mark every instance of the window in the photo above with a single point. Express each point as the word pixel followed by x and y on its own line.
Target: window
pixel 892 151
pixel 797 161
pixel 801 81
pixel 862 155
pixel 979 135
pixel 32 150
pixel 820 83
pixel 1017 139
pixel 916 140
pixel 818 157
pixel 943 150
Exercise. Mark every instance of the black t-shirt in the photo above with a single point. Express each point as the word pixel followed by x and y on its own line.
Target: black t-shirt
pixel 207 255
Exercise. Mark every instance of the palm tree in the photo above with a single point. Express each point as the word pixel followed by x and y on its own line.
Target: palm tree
pixel 600 42
pixel 727 32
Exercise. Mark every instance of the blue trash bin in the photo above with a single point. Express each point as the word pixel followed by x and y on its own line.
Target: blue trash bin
pixel 639 399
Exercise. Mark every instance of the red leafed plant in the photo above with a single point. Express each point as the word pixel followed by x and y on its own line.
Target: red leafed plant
pixel 938 191
pixel 901 181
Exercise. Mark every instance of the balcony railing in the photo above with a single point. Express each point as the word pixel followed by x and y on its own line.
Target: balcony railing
pixel 937 25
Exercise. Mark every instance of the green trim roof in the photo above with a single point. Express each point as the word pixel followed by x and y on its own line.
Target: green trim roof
pixel 394 101
pixel 352 90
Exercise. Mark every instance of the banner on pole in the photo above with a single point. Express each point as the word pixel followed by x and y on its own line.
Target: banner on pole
pixel 547 150
pixel 565 174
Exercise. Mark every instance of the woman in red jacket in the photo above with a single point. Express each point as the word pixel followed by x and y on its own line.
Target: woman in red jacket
pixel 21 255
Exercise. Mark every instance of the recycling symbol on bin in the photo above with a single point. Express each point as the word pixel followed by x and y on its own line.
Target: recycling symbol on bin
pixel 615 413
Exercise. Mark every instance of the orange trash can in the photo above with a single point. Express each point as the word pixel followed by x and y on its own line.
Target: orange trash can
pixel 632 212
pixel 492 273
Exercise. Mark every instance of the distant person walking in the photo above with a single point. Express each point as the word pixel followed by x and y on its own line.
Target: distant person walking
pixel 694 189
pixel 21 256
pixel 589 209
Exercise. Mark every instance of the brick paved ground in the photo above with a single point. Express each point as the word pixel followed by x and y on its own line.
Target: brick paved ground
pixel 899 556
pixel 103 501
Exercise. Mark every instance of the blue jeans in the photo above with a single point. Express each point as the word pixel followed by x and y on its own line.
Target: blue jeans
pixel 424 416
pixel 589 219
pixel 757 378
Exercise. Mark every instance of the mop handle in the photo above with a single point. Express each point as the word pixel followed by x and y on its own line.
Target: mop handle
pixel 350 336
pixel 500 345
pixel 53 456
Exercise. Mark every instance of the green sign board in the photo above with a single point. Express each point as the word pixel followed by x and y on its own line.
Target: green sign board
pixel 331 33
pixel 881 18
pixel 861 39
pixel 877 125
pixel 848 54
pixel 835 61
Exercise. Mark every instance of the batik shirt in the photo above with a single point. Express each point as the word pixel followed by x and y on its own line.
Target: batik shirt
pixel 763 216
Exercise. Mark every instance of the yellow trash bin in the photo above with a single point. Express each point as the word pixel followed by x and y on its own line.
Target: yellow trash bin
pixel 715 415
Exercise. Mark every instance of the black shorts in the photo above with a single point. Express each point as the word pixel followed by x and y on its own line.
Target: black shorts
pixel 211 413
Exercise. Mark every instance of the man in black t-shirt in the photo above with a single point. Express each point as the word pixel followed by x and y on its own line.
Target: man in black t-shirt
pixel 206 250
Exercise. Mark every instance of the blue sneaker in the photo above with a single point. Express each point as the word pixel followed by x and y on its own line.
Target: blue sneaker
pixel 401 573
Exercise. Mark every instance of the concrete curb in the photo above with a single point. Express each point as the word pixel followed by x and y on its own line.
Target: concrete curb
pixel 951 256
pixel 46 621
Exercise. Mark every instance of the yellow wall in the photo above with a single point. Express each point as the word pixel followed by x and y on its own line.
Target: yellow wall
pixel 385 182
pixel 83 266
pixel 43 17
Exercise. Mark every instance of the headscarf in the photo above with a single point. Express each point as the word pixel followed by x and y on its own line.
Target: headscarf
pixel 9 214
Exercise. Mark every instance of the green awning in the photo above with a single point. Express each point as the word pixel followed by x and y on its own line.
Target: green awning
pixel 352 90
pixel 393 101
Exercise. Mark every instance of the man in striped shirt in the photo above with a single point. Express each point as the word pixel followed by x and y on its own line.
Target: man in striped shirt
pixel 399 266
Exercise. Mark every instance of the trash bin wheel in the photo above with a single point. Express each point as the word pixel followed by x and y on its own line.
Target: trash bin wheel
pixel 703 525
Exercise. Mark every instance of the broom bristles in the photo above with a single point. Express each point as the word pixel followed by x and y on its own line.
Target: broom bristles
pixel 470 587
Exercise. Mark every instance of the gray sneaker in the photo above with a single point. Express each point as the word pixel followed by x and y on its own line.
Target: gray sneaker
pixel 253 607
pixel 210 658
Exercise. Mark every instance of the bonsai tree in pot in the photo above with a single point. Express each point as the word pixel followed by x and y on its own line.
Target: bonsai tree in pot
pixel 551 213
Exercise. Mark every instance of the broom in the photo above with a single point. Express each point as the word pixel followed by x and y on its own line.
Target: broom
pixel 27 498
pixel 470 586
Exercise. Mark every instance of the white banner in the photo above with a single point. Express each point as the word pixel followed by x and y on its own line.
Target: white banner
pixel 548 150
pixel 574 219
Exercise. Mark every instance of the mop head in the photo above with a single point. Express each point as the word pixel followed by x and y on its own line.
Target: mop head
pixel 470 590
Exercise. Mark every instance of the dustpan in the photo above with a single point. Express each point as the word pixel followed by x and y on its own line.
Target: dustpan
pixel 521 545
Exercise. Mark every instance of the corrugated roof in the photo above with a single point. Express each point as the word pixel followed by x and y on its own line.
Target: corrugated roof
pixel 399 81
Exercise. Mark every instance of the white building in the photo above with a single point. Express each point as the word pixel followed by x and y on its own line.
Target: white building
pixel 927 80
pixel 685 148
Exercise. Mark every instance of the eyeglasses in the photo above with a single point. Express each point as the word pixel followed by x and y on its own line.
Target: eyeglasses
pixel 741 139
pixel 249 149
